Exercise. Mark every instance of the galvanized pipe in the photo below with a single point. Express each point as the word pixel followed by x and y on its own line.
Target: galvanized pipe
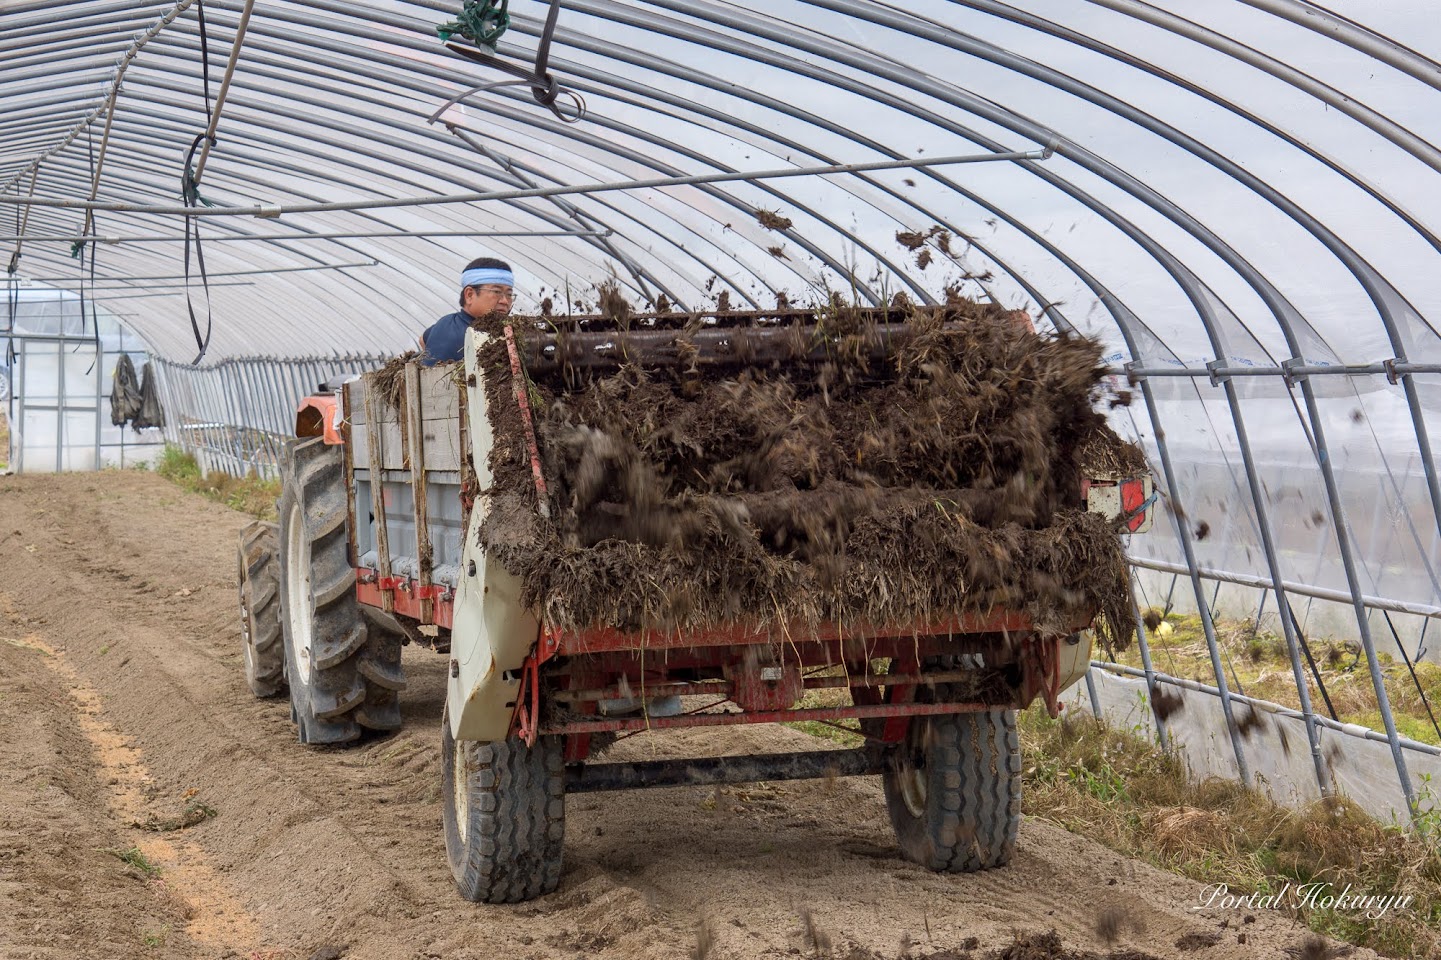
pixel 325 235
pixel 1333 98
pixel 271 211
pixel 706 771
pixel 108 103
pixel 1291 586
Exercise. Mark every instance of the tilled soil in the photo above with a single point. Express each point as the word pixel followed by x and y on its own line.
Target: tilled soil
pixel 122 701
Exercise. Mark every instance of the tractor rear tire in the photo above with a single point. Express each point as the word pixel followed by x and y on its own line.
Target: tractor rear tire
pixel 262 646
pixel 504 811
pixel 954 791
pixel 327 645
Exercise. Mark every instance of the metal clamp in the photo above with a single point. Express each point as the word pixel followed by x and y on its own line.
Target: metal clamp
pixel 1132 377
pixel 1290 366
pixel 1392 375
pixel 1214 367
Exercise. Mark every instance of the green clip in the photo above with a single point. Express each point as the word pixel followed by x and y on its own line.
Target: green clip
pixel 480 21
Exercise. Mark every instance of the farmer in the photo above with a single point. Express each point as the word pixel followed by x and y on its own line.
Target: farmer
pixel 486 287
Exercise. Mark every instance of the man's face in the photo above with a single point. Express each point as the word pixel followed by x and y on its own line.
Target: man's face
pixel 488 298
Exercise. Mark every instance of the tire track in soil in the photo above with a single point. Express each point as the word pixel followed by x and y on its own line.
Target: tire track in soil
pixel 131 580
pixel 59 837
pixel 214 918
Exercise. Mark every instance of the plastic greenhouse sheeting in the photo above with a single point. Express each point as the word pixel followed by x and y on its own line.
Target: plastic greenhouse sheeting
pixel 1239 183
pixel 1186 181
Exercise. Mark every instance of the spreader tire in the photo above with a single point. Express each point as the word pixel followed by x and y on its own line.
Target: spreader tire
pixel 324 630
pixel 954 791
pixel 504 816
pixel 258 574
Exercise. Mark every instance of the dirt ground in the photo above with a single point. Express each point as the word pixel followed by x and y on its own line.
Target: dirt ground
pixel 122 701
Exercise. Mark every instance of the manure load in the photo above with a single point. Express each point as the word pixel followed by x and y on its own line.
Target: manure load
pixel 906 520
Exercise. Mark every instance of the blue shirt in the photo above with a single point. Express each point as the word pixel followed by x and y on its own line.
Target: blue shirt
pixel 445 340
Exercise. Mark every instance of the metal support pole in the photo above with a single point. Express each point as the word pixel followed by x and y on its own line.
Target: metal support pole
pixel 1091 690
pixel 1187 548
pixel 1348 563
pixel 1273 565
pixel 1150 671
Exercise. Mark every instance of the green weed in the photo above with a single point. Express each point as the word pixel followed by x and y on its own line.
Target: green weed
pixel 134 858
pixel 250 494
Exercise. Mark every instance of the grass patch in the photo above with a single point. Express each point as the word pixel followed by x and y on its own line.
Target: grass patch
pixel 250 494
pixel 1118 789
pixel 1261 663
pixel 133 857
pixel 846 732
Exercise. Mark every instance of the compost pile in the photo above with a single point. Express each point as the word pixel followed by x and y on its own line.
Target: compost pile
pixel 942 479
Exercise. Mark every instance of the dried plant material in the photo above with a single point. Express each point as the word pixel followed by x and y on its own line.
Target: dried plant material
pixel 1167 702
pixel 1249 720
pixel 945 483
pixel 1198 940
pixel 195 812
pixel 613 304
pixel 818 940
pixel 1316 947
pixel 704 941
pixel 772 220
pixel 1109 923
pixel 1103 455
pixel 388 382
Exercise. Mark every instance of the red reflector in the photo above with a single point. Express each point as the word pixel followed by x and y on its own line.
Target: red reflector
pixel 1133 494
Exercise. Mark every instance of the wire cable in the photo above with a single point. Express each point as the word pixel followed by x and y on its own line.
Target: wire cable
pixel 1425 702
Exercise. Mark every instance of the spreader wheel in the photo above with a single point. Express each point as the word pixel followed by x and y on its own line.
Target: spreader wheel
pixel 504 816
pixel 258 575
pixel 954 791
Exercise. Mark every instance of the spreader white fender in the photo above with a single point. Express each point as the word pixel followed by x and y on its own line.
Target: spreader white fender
pixel 493 631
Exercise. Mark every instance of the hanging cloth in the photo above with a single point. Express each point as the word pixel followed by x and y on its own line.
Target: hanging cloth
pixel 124 392
pixel 150 413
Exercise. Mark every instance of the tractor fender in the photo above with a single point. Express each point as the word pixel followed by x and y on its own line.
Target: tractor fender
pixel 319 416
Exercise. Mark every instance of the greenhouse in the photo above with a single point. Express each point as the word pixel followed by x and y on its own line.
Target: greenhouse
pixel 249 205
